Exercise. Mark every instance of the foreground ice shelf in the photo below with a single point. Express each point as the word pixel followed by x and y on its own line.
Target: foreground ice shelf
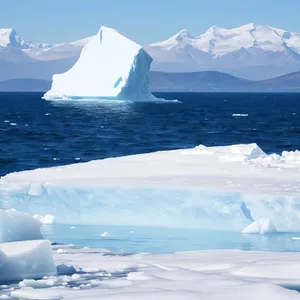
pixel 213 275
pixel 224 188
pixel 110 66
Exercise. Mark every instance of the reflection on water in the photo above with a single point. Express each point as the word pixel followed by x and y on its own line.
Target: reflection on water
pixel 166 240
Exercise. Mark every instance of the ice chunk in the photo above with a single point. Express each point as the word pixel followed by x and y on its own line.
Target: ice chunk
pixel 110 66
pixel 105 234
pixel 36 189
pixel 262 226
pixel 17 226
pixel 26 260
pixel 249 150
pixel 48 219
pixel 65 269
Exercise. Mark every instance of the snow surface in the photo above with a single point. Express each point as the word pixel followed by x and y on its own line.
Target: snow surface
pixel 18 226
pixel 262 226
pixel 220 274
pixel 26 259
pixel 222 188
pixel 109 66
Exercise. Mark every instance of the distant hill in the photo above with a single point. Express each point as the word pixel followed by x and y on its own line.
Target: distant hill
pixel 25 85
pixel 285 83
pixel 211 81
pixel 207 81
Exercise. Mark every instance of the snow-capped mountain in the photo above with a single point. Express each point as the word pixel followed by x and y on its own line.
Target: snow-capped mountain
pixel 22 59
pixel 11 41
pixel 251 51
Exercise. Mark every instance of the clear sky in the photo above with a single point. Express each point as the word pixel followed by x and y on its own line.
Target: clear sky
pixel 144 21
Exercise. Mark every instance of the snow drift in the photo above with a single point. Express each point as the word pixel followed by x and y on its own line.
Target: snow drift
pixel 110 66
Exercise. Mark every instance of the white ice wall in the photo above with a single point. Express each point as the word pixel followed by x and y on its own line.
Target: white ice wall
pixel 218 188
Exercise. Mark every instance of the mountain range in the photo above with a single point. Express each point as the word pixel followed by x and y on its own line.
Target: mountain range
pixel 250 52
pixel 205 81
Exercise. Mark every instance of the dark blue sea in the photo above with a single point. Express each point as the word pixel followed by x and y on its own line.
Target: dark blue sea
pixel 35 133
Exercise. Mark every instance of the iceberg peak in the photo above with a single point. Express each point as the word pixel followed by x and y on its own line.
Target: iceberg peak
pixel 110 66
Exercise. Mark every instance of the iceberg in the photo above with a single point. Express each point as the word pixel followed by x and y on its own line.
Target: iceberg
pixel 110 66
pixel 26 259
pixel 18 226
pixel 262 226
pixel 221 188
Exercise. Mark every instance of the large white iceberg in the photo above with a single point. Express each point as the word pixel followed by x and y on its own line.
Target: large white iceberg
pixel 224 188
pixel 26 259
pixel 18 226
pixel 110 66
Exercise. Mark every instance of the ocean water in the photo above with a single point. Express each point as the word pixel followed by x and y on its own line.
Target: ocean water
pixel 166 240
pixel 35 133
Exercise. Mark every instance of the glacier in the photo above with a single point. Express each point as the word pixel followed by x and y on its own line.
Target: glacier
pixel 222 188
pixel 110 66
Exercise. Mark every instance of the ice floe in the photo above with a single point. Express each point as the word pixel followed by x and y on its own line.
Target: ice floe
pixel 226 187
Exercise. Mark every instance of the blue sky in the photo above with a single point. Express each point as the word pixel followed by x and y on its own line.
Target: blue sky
pixel 144 21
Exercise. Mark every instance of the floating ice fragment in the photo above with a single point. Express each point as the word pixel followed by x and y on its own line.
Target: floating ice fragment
pixel 240 115
pixel 105 234
pixel 262 226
